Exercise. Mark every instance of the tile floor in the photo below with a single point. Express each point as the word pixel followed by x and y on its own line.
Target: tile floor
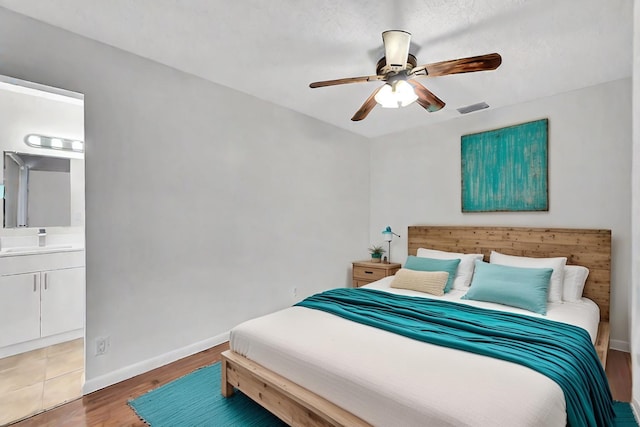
pixel 41 379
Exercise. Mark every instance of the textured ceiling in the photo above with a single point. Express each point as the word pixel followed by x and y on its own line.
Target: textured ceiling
pixel 274 49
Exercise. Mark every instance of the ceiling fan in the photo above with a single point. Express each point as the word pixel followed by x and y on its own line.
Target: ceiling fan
pixel 398 68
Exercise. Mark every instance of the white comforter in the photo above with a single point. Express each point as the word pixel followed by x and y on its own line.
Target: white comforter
pixel 390 380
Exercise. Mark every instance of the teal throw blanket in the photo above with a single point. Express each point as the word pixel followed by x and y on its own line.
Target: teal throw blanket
pixel 560 351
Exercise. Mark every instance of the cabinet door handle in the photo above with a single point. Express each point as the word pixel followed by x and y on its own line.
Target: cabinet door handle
pixel 368 272
pixel 45 281
pixel 35 283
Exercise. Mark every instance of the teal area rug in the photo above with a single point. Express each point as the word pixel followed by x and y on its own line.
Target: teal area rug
pixel 195 400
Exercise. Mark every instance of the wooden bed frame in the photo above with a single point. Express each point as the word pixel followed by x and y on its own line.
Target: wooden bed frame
pixel 591 248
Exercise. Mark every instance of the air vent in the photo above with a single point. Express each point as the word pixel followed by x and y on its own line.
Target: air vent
pixel 473 107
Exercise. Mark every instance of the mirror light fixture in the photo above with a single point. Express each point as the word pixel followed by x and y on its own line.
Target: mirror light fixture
pixel 388 236
pixel 397 93
pixel 54 143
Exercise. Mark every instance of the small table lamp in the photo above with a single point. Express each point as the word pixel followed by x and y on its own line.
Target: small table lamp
pixel 388 236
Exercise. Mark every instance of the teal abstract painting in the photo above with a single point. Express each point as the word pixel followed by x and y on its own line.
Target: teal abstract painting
pixel 506 169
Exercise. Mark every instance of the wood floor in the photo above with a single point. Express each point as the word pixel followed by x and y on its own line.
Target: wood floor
pixel 619 375
pixel 108 407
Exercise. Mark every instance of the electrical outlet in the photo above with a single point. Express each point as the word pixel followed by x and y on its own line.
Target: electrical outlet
pixel 294 291
pixel 102 345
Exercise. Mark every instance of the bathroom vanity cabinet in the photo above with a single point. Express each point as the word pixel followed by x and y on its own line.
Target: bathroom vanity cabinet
pixel 42 297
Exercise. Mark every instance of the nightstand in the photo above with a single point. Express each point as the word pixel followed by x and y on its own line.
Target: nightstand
pixel 366 272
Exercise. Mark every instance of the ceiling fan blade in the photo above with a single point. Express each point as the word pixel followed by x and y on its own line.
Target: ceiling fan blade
pixel 366 107
pixel 426 98
pixel 347 81
pixel 396 48
pixel 471 64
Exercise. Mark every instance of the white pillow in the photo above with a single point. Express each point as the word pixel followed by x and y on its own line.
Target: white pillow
pixel 575 276
pixel 463 276
pixel 555 284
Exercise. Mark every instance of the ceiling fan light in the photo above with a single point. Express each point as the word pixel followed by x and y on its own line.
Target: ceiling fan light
pixel 385 97
pixel 398 94
pixel 405 93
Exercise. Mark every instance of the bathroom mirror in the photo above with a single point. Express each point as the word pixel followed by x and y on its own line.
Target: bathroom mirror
pixel 37 190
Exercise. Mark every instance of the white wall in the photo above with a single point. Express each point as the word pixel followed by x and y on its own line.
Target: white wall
pixel 204 206
pixel 415 177
pixel 635 282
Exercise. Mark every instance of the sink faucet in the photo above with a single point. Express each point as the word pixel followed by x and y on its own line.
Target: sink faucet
pixel 42 236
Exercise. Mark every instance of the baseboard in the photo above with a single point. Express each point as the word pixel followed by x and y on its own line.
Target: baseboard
pixel 131 371
pixel 620 345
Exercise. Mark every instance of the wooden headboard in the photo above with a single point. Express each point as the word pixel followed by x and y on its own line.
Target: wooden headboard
pixel 587 247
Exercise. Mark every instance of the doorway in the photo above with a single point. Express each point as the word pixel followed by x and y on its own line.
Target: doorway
pixel 42 258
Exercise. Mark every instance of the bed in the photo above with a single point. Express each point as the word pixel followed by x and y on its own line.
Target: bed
pixel 337 372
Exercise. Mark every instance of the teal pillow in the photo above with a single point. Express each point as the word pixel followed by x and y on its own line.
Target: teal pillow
pixel 525 288
pixel 431 264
